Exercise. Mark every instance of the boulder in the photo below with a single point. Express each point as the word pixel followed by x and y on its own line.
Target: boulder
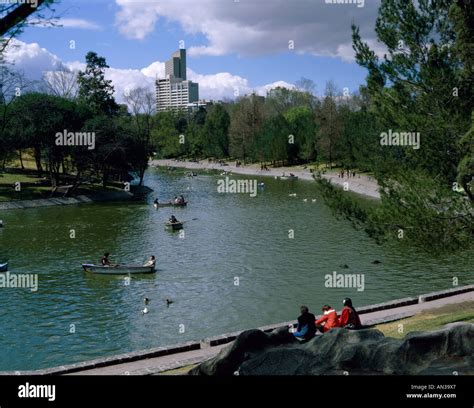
pixel 347 352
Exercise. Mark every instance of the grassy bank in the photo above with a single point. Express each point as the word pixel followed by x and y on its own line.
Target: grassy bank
pixel 430 320
pixel 34 187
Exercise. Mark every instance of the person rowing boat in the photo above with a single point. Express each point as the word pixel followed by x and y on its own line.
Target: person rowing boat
pixel 151 261
pixel 105 261
pixel 173 220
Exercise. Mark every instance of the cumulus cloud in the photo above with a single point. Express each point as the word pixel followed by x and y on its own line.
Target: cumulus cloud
pixel 34 61
pixel 254 27
pixel 31 59
pixel 78 23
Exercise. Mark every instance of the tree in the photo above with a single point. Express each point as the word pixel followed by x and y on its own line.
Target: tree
pixel 247 117
pixel 37 118
pixel 414 88
pixel 302 126
pixel 272 141
pixel 466 165
pixel 141 102
pixel 94 89
pixel 62 82
pixel 216 132
pixel 330 125
pixel 166 136
pixel 14 18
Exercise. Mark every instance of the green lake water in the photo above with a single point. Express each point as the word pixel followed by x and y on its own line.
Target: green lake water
pixel 76 316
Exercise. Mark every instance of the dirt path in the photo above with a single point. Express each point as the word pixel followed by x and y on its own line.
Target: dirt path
pixel 361 184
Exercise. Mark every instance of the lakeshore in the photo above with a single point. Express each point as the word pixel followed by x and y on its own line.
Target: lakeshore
pixel 161 360
pixel 361 184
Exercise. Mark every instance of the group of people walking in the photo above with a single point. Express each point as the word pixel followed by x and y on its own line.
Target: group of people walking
pixel 347 173
pixel 308 325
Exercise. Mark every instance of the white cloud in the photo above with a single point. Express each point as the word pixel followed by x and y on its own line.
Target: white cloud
pixel 78 23
pixel 31 59
pixel 34 61
pixel 263 90
pixel 254 27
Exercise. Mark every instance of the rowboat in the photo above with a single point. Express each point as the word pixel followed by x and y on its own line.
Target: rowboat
pixel 118 270
pixel 170 204
pixel 4 267
pixel 175 226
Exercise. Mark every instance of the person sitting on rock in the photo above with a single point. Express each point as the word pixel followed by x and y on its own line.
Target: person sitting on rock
pixel 349 316
pixel 306 328
pixel 328 321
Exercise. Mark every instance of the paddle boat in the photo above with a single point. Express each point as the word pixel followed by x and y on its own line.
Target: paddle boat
pixel 119 269
pixel 4 267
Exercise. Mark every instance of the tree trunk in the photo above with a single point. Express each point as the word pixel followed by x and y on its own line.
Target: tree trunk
pixel 37 154
pixel 21 159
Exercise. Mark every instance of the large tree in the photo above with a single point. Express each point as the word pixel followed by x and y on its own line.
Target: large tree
pixel 94 89
pixel 416 87
pixel 141 103
pixel 247 117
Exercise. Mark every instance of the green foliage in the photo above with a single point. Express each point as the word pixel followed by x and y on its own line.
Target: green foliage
pixel 94 89
pixel 215 132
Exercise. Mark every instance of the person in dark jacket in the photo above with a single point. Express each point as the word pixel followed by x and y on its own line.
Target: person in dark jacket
pixel 349 316
pixel 306 328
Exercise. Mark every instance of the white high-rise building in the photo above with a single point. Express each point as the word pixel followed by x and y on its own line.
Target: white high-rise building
pixel 175 92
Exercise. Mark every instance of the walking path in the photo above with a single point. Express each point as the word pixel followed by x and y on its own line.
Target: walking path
pixel 361 184
pixel 169 362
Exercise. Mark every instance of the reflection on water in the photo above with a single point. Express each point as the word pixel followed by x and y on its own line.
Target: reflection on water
pixel 75 316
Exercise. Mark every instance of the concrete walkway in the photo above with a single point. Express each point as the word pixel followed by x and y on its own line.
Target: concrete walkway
pixel 169 362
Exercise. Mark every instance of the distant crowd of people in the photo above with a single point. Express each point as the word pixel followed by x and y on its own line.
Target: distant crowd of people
pixel 347 173
pixel 308 325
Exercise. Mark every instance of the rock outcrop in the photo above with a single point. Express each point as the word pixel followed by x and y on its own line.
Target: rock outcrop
pixel 347 352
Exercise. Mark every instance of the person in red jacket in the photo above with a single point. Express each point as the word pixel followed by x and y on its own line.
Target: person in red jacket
pixel 328 321
pixel 349 317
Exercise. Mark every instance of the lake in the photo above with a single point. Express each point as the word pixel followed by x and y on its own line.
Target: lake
pixel 241 262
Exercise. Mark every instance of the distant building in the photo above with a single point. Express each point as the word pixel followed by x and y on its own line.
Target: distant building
pixel 175 92
pixel 176 66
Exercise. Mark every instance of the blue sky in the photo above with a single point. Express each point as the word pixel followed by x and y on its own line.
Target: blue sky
pixel 247 40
